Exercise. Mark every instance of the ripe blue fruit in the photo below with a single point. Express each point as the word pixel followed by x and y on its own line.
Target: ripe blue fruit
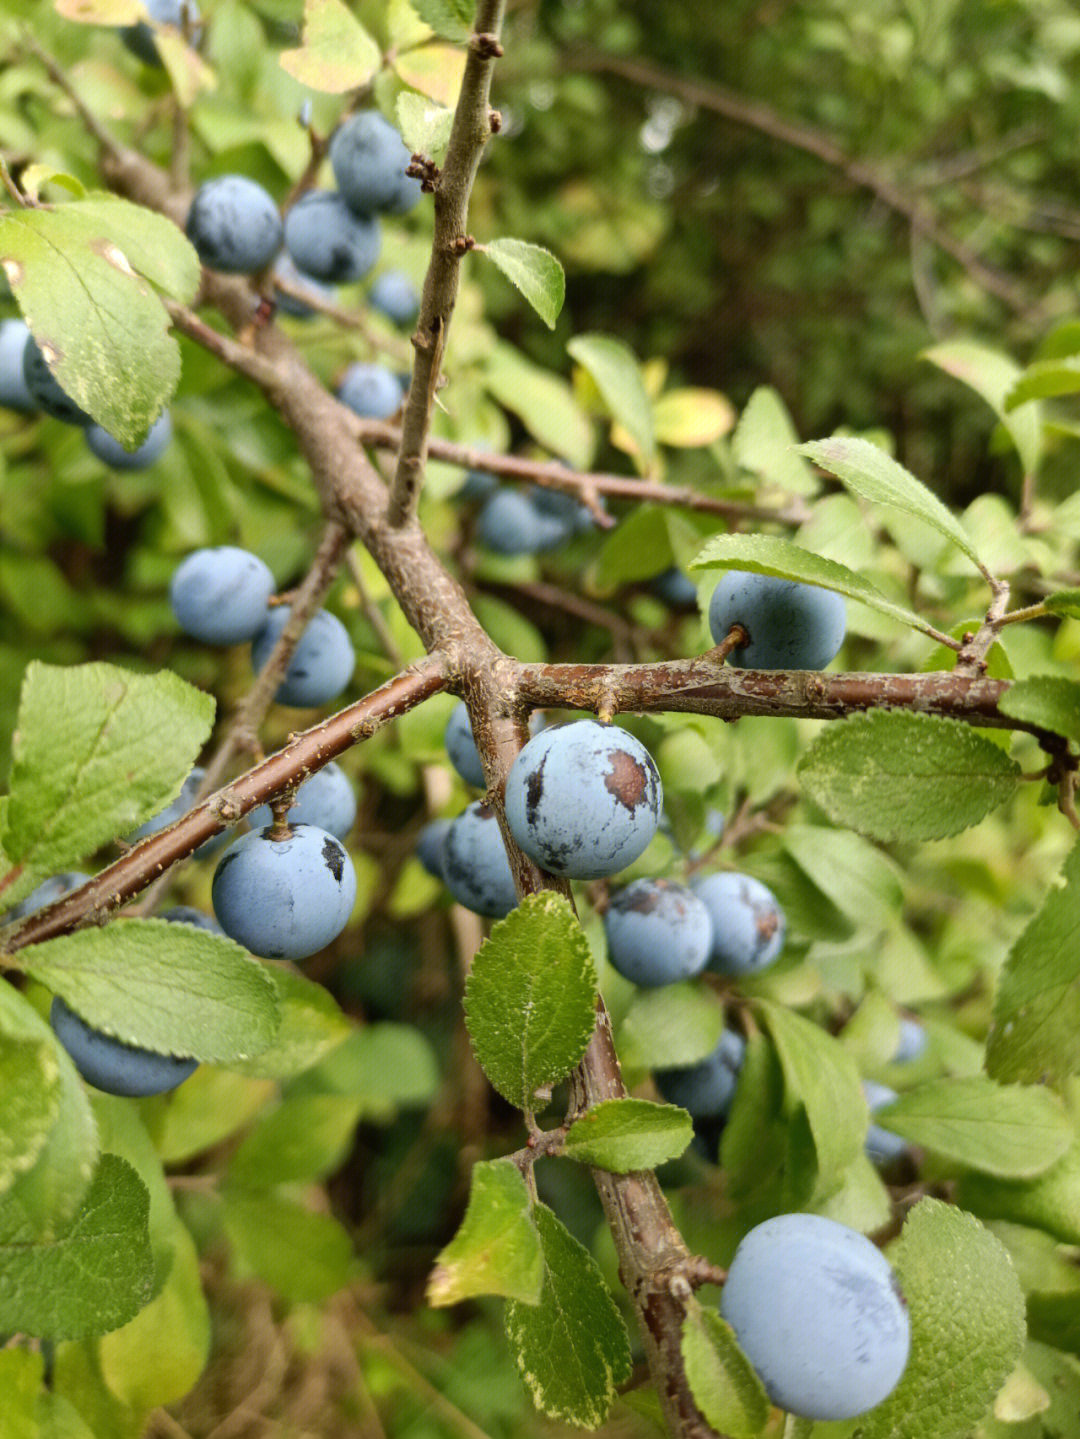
pixel 817 1310
pixel 47 892
pixel 220 595
pixel 327 800
pixel 139 38
pixel 474 863
pixel 429 846
pixel 322 663
pixel 511 524
pixel 327 240
pixel 285 270
pixel 14 394
pixel 748 923
pixel 478 485
pixel 45 389
pixel 185 914
pixel 583 799
pixel 234 225
pixel 791 626
pixel 184 801
pixel 109 1064
pixel 913 1042
pixel 461 747
pixel 369 159
pixel 881 1145
pixel 657 932
pixel 676 589
pixel 705 1090
pixel 109 449
pixel 394 295
pixel 284 898
pixel 370 391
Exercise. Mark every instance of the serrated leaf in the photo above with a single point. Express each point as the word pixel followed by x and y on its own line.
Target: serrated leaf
pixel 994 376
pixel 1064 602
pixel 96 750
pixel 450 18
pixel 304 1139
pixel 497 1249
pixel 770 555
pixel 1050 701
pixel 724 1385
pixel 615 369
pixel 867 471
pixel 336 52
pixel 1050 1202
pixel 156 247
pixel 435 70
pixel 626 1134
pixel 1012 1131
pixel 688 418
pixel 534 271
pixel 1036 1031
pixel 304 1255
pixel 671 1027
pixel 167 987
pixel 30 1084
pixel 311 1026
pixel 572 1347
pixel 530 998
pixel 92 1276
pixel 894 775
pixel 766 442
pixel 424 124
pixel 543 402
pixel 967 1326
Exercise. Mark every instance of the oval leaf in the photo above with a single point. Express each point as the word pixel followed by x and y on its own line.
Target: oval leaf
pixel 536 273
pixel 994 376
pixel 1050 701
pixel 724 1385
pixel 692 417
pixel 497 1249
pixel 336 53
pixel 424 124
pixel 671 1027
pixel 626 1134
pixel 615 369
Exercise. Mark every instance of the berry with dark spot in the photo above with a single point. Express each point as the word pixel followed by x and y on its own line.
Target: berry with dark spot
pixel 45 389
pixel 748 923
pixel 327 240
pixel 109 449
pixel 658 932
pixel 322 664
pixel 791 626
pixel 475 868
pixel 369 160
pixel 234 225
pixel 220 595
pixel 583 799
pixel 326 799
pixel 370 391
pixel 14 394
pixel 706 1089
pixel 109 1064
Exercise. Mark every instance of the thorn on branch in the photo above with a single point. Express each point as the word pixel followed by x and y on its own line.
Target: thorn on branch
pixel 426 171
pixel 487 46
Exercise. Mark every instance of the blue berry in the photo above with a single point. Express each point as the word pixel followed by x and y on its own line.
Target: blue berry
pixel 327 240
pixel 220 595
pixel 676 589
pixel 14 394
pixel 583 799
pixel 394 295
pixel 570 514
pixel 478 485
pixel 881 1144
pixel 818 1312
pixel 327 800
pixel 461 747
pixel 185 914
pixel 429 846
pixel 657 932
pixel 183 802
pixel 322 663
pixel 109 1064
pixel 45 389
pixel 913 1042
pixel 748 923
pixel 284 898
pixel 369 159
pixel 370 391
pixel 705 1090
pixel 791 626
pixel 285 270
pixel 112 452
pixel 47 892
pixel 234 225
pixel 510 523
pixel 139 38
pixel 475 867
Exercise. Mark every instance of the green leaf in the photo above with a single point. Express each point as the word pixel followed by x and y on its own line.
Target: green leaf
pixel 336 53
pixel 752 1146
pixel 311 1026
pixel 453 19
pixel 867 471
pixel 206 1109
pixel 1014 1131
pixel 626 1134
pixel 497 1249
pixel 1044 380
pixel 543 402
pixel 305 1256
pixel 156 248
pixel 30 1084
pixel 21 1373
pixel 1036 1031
pixel 691 417
pixel 93 1275
pixel 857 877
pixel 425 125
pixel 303 1140
pixel 1050 1202
pixel 388 1066
pixel 572 1348
pixel 995 377
pixel 1064 602
pixel 103 330
pixel 724 1385
pixel 671 1027
pixel 967 1326
pixel 530 998
pixel 97 750
pixel 615 369
pixel 766 443
pixel 536 273
pixel 167 987
pixel 1050 701
pixel 770 555
pixel 895 775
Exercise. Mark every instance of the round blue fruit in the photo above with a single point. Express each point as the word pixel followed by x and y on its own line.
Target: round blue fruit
pixel 583 799
pixel 676 589
pixel 284 898
pixel 14 393
pixel 657 932
pixel 748 923
pixel 882 1146
pixel 47 892
pixel 327 240
pixel 570 514
pixel 220 595
pixel 791 626
pixel 46 391
pixel 369 160
pixel 913 1042
pixel 461 747
pixel 474 863
pixel 234 225
pixel 394 295
pixel 429 846
pixel 185 914
pixel 509 523
pixel 109 1064
pixel 139 38
pixel 109 449
pixel 478 485
pixel 183 802
pixel 326 800
pixel 322 663
pixel 817 1310
pixel 286 272
pixel 706 1090
pixel 370 391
